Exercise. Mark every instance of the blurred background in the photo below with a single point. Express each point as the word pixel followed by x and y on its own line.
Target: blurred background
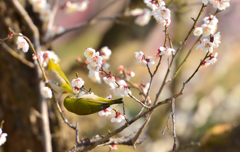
pixel 207 112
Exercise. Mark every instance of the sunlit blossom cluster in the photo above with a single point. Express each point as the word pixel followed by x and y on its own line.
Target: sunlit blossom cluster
pixel 159 11
pixel 219 4
pixel 43 8
pixel 208 28
pixel 72 7
pixel 142 60
pixel 96 60
pixel 44 57
pixel 77 84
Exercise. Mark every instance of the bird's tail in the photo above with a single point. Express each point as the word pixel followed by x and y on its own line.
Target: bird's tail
pixel 118 101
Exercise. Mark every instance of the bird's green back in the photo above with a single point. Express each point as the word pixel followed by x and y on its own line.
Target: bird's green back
pixel 55 66
pixel 85 106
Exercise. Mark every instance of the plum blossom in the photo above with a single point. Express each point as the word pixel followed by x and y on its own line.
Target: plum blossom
pixel 208 29
pixel 213 59
pixel 46 92
pixel 154 4
pixel 106 111
pixel 94 60
pixel 210 20
pixel 105 53
pixel 130 74
pixel 206 46
pixel 162 15
pixel 3 137
pixel 89 53
pixel 143 16
pixel 205 2
pixel 110 80
pixel 122 90
pixel 95 77
pixel 139 55
pixel 22 43
pixel 166 51
pixel 220 4
pixel 149 62
pixel 145 87
pixel 216 40
pixel 77 83
pixel 197 31
pixel 118 118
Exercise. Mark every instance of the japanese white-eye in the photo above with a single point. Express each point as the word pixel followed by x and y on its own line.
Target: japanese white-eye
pixel 88 104
pixel 57 79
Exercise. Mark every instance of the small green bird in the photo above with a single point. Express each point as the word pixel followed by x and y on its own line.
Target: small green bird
pixel 88 104
pixel 57 79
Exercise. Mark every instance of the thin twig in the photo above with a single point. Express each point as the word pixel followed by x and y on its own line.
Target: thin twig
pixel 29 22
pixel 167 126
pixel 140 131
pixel 17 56
pixel 174 128
pixel 91 21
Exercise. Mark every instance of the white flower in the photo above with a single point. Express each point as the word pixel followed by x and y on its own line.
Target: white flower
pixel 22 43
pixel 211 20
pixel 162 12
pixel 220 4
pixel 213 59
pixel 50 55
pixel 46 92
pixel 76 90
pixel 150 62
pixel 46 14
pixel 143 18
pixel 105 112
pixel 139 55
pixel 118 118
pixel 93 67
pixel 3 137
pixel 205 2
pixel 198 31
pixel 164 22
pixel 145 88
pixel 208 29
pixel 216 39
pixel 89 53
pixel 110 80
pixel 206 46
pixel 77 83
pixel 84 93
pixel 83 5
pixel 130 74
pixel 122 90
pixel 96 59
pixel 39 5
pixel 95 77
pixel 105 53
pixel 166 51
pixel 109 97
pixel 153 4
